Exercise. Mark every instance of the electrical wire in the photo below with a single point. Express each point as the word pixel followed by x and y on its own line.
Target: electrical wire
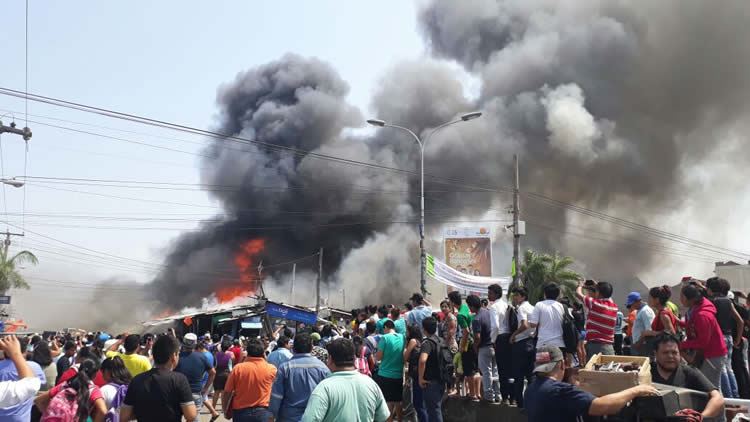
pixel 2 171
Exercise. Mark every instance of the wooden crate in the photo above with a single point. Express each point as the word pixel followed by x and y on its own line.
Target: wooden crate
pixel 602 383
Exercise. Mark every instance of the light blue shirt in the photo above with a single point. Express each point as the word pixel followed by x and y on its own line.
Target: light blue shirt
pixel 295 381
pixel 20 412
pixel 279 356
pixel 418 314
pixel 643 319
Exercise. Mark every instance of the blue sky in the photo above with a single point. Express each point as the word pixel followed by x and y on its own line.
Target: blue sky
pixel 163 60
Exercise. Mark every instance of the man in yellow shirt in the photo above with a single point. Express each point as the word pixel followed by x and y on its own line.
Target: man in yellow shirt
pixel 135 363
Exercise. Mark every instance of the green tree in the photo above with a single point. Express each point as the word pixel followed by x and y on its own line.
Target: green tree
pixel 10 278
pixel 538 269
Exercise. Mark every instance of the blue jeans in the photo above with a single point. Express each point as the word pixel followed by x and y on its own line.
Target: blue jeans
pixel 433 400
pixel 198 400
pixel 252 414
pixel 488 368
pixel 417 398
pixel 728 381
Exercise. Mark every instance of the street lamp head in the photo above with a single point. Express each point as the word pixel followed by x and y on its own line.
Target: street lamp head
pixel 376 122
pixel 471 116
pixel 12 182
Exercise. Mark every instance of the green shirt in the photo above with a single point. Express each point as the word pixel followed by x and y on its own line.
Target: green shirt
pixel 346 396
pixel 464 317
pixel 380 323
pixel 392 365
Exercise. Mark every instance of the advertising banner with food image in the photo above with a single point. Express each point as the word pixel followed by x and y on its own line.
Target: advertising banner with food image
pixel 469 250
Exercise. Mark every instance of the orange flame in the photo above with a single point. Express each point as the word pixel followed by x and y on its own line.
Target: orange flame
pixel 248 272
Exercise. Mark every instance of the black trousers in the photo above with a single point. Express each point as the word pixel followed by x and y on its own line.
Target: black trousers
pixel 523 355
pixel 504 358
pixel 618 344
pixel 742 376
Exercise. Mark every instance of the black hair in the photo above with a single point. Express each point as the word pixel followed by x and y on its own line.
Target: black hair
pixel 395 313
pixel 371 326
pixel 417 298
pixel 302 343
pixel 164 348
pixel 341 351
pixel 80 384
pixel 455 298
pixel 692 292
pixel 565 301
pixel 255 348
pixel 69 345
pixel 718 285
pixel 288 332
pixel 131 343
pixel 85 353
pixel 413 332
pixel 521 291
pixel 214 338
pixel 496 289
pixel 389 325
pixel 551 291
pixel 430 325
pixel 408 306
pixel 358 345
pixel 283 341
pixel 662 293
pixel 35 340
pixel 473 301
pixel 665 339
pixel 42 354
pixel 604 289
pixel 117 370
pixel 327 331
pixel 383 310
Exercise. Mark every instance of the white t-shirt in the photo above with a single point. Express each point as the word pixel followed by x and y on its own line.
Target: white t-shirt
pixel 499 322
pixel 524 312
pixel 548 315
pixel 109 392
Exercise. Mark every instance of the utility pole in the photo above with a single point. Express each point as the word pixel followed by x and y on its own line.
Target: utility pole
pixel 516 228
pixel 25 132
pixel 260 280
pixel 294 275
pixel 317 282
pixel 6 243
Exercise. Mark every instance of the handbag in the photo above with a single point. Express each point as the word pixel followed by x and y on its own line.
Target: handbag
pixel 228 414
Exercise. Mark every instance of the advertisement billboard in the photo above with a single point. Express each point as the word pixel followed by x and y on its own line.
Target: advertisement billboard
pixel 469 250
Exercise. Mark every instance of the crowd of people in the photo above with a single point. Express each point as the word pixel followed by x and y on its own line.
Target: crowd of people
pixel 502 350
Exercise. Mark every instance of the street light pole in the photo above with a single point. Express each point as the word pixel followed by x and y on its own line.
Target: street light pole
pixel 422 252
pixel 12 182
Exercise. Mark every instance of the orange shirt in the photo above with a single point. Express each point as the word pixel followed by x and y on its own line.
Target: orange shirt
pixel 251 382
pixel 631 320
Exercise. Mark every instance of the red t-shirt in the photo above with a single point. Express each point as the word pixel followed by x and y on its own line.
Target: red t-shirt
pixel 658 325
pixel 601 321
pixel 237 352
pixel 94 393
pixel 70 373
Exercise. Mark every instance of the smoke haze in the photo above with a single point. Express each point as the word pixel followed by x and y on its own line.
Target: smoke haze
pixel 608 104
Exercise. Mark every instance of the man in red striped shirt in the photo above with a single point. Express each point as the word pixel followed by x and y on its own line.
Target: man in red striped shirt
pixel 601 320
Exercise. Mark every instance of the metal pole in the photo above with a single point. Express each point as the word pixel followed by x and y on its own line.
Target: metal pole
pixel 317 282
pixel 294 275
pixel 516 212
pixel 422 252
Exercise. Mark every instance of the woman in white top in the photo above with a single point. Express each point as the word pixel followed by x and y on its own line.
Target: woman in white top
pixel 118 378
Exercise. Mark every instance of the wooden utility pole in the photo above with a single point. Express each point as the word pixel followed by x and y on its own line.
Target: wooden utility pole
pixel 6 243
pixel 317 282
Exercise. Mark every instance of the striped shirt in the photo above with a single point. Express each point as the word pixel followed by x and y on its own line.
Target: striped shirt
pixel 601 320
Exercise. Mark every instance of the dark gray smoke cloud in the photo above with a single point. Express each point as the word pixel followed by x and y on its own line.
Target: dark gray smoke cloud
pixel 608 104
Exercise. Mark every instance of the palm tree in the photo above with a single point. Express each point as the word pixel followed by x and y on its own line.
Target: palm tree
pixel 10 278
pixel 539 269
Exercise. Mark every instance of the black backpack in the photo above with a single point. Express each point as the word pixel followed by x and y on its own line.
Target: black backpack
pixel 569 331
pixel 512 318
pixel 444 361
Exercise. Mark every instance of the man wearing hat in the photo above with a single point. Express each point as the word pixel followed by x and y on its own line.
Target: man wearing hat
pixel 194 365
pixel 420 311
pixel 548 399
pixel 644 316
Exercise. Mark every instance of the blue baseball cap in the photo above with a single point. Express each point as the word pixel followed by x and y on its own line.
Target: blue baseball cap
pixel 104 337
pixel 632 298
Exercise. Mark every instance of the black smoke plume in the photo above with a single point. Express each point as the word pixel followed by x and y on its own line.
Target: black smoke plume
pixel 608 105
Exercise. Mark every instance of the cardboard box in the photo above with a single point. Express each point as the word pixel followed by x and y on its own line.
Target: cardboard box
pixel 602 383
